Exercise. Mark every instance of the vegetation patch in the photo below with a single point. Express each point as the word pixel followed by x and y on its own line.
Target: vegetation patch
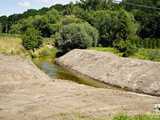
pixel 139 117
pixel 12 46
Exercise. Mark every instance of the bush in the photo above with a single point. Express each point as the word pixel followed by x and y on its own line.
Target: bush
pixel 151 43
pixel 31 39
pixel 153 55
pixel 71 19
pixel 126 47
pixel 73 36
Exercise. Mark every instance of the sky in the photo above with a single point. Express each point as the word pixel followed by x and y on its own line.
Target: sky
pixel 8 7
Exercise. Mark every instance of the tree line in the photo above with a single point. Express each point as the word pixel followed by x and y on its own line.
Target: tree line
pixel 125 26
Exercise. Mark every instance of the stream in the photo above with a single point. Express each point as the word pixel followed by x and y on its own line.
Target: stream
pixel 57 72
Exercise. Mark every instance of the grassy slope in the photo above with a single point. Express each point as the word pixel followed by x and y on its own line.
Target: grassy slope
pixel 12 46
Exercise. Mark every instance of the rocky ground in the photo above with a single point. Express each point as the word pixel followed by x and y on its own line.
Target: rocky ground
pixel 132 74
pixel 26 93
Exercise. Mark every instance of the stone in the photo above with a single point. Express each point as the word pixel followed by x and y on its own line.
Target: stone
pixel 136 75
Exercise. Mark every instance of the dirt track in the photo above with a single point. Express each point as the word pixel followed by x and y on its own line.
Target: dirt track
pixel 26 93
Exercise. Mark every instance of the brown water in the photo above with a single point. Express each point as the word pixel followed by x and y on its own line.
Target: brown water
pixel 57 72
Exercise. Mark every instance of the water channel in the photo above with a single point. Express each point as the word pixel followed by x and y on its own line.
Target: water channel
pixel 57 72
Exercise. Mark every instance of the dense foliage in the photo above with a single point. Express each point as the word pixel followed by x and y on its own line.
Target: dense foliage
pixel 133 23
pixel 76 36
pixel 113 25
pixel 32 39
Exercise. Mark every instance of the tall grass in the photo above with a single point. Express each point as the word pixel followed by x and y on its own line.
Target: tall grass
pixel 10 45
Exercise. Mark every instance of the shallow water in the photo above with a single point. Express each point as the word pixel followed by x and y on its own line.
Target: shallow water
pixel 57 72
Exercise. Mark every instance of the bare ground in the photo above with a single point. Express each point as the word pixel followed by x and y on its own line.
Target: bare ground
pixel 26 93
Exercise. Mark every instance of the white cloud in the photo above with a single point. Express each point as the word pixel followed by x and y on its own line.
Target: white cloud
pixel 46 2
pixel 24 4
pixel 51 2
pixel 117 1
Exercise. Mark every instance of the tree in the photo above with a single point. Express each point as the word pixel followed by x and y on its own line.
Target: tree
pixel 71 19
pixel 43 22
pixel 1 28
pixel 21 26
pixel 4 23
pixel 32 39
pixel 147 14
pixel 113 25
pixel 74 35
pixel 95 4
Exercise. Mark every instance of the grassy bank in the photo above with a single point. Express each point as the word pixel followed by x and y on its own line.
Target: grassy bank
pixel 10 45
pixel 144 54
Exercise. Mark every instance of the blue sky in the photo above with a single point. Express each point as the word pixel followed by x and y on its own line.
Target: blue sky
pixel 8 7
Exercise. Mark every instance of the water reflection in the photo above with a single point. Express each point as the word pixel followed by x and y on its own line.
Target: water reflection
pixel 57 72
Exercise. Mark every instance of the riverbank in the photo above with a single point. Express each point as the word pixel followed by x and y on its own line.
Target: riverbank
pixel 130 74
pixel 27 93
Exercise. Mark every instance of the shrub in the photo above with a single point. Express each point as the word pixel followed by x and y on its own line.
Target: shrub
pixel 153 55
pixel 31 39
pixel 126 47
pixel 151 43
pixel 71 19
pixel 73 36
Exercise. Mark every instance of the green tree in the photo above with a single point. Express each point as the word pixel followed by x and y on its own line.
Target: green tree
pixel 95 4
pixel 32 39
pixel 113 25
pixel 71 19
pixel 1 27
pixel 147 14
pixel 73 36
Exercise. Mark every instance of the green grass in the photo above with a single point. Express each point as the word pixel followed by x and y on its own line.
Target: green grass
pixel 76 116
pixel 144 54
pixel 107 49
pixel 140 117
pixel 12 46
pixel 148 54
